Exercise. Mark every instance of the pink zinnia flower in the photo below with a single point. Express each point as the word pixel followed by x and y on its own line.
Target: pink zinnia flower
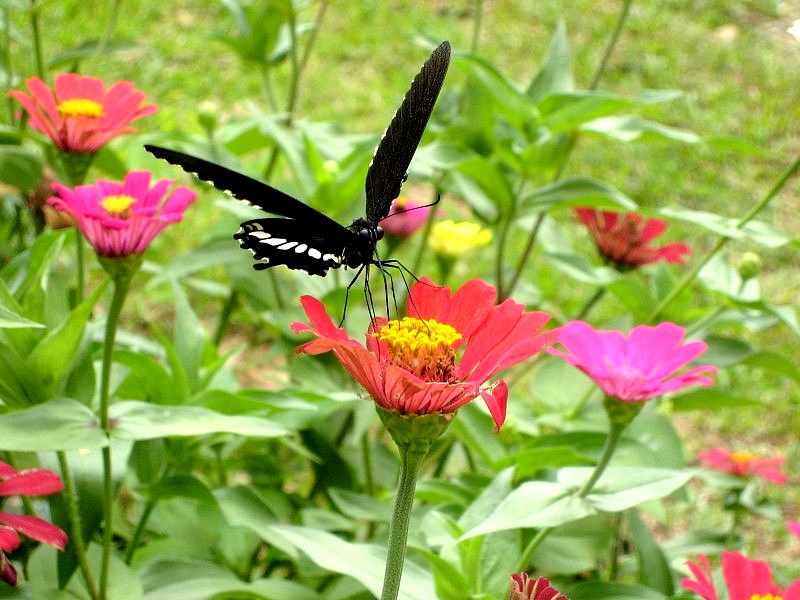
pixel 524 587
pixel 744 464
pixel 411 365
pixel 32 482
pixel 635 367
pixel 405 217
pixel 793 527
pixel 745 579
pixel 120 219
pixel 82 116
pixel 623 239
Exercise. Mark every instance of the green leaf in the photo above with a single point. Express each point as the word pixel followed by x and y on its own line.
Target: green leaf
pixel 60 424
pixel 711 399
pixel 561 113
pixel 448 579
pixel 629 129
pixel 188 338
pixel 595 590
pixel 178 486
pixel 555 75
pixel 10 312
pixel 67 59
pixel 654 571
pixel 20 168
pixel 579 268
pixel 53 356
pixel 142 421
pixel 620 488
pixel 363 562
pixel 758 231
pixel 534 504
pixel 576 192
pixel 480 183
pixel 360 506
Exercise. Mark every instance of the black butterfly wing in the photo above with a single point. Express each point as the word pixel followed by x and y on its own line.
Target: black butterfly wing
pixel 296 244
pixel 248 190
pixel 389 165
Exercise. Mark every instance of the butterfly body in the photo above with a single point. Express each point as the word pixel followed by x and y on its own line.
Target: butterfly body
pixel 306 239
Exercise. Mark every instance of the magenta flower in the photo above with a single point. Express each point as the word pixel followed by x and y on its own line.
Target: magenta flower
pixel 120 219
pixel 622 239
pixel 744 464
pixel 411 365
pixel 32 482
pixel 80 115
pixel 405 217
pixel 636 367
pixel 524 587
pixel 793 527
pixel 745 579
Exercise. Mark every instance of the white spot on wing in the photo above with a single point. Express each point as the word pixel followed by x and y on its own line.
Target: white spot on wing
pixel 301 248
pixel 314 253
pixel 287 246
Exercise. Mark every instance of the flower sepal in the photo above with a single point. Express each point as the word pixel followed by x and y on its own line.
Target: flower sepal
pixel 76 165
pixel 121 268
pixel 414 433
pixel 621 413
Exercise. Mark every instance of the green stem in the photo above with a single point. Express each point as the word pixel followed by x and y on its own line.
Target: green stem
pixel 692 274
pixel 598 293
pixel 426 235
pixel 225 316
pixel 612 42
pixel 477 19
pixel 76 539
pixel 80 253
pixel 122 282
pixel 140 527
pixel 614 435
pixel 37 41
pixel 410 464
pixel 526 254
pixel 108 31
pixel 502 240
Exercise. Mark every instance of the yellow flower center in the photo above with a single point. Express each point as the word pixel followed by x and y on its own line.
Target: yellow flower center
pixel 765 597
pixel 742 458
pixel 451 239
pixel 118 206
pixel 423 347
pixel 81 107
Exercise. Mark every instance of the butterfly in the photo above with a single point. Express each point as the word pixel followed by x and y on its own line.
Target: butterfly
pixel 306 239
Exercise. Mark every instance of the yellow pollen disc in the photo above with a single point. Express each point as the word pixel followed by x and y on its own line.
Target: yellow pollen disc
pixel 424 347
pixel 81 107
pixel 742 458
pixel 118 206
pixel 765 597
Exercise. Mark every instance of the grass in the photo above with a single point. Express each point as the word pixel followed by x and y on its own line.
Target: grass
pixel 734 62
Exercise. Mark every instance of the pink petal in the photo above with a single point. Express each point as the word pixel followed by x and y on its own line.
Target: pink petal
pixel 745 577
pixel 9 539
pixel 36 528
pixel 31 482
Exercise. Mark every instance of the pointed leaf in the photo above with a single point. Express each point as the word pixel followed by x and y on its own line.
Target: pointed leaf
pixel 555 75
pixel 60 424
pixel 576 192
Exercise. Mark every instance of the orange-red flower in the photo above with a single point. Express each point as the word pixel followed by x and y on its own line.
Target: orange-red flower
pixel 622 239
pixel 524 587
pixel 442 355
pixel 744 464
pixel 745 579
pixel 32 482
pixel 80 115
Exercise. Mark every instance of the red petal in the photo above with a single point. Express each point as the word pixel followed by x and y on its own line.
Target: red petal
pixel 7 571
pixel 36 528
pixel 496 399
pixel 32 482
pixel 9 539
pixel 745 577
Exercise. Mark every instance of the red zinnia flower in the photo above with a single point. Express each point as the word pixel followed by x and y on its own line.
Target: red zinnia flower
pixel 744 464
pixel 120 219
pixel 411 366
pixel 32 482
pixel 623 239
pixel 405 217
pixel 635 367
pixel 82 116
pixel 524 587
pixel 745 579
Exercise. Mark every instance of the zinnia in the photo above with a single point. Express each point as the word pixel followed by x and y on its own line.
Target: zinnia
pixel 405 217
pixel 80 115
pixel 32 482
pixel 635 367
pixel 411 365
pixel 450 239
pixel 120 219
pixel 523 587
pixel 622 239
pixel 744 464
pixel 745 579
